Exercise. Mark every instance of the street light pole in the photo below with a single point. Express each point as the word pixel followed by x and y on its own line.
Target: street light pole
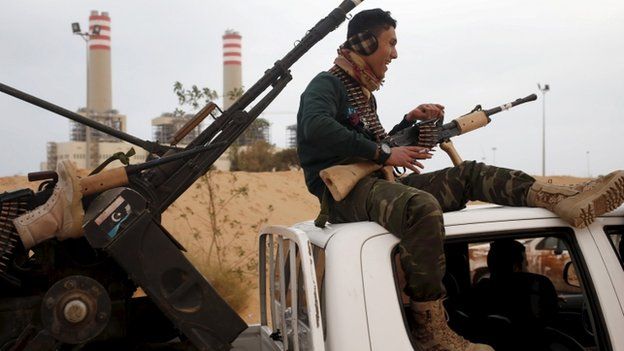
pixel 86 36
pixel 544 90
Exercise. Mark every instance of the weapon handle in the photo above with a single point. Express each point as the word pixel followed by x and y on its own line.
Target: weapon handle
pixel 103 181
pixel 449 148
pixel 192 123
pixel 472 121
pixel 43 175
pixel 119 176
pixel 341 179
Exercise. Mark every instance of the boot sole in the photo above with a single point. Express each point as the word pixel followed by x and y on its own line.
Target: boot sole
pixel 603 198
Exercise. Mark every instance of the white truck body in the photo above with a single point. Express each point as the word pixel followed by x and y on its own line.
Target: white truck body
pixel 354 304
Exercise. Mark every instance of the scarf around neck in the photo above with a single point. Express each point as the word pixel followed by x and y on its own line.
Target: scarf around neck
pixel 358 69
pixel 359 95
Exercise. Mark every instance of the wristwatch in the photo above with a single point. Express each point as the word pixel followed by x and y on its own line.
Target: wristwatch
pixel 383 153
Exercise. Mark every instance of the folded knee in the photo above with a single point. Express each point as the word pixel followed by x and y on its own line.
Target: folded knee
pixel 422 206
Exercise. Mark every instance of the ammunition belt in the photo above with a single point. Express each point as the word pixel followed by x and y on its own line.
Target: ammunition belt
pixel 362 104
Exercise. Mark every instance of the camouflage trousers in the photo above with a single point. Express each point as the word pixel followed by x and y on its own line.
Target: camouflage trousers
pixel 411 208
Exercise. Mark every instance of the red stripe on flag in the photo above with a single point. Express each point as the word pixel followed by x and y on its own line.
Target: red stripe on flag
pixel 231 45
pixel 232 36
pixel 238 63
pixel 231 54
pixel 99 47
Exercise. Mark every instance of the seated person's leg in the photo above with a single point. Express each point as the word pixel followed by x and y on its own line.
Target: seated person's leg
pixel 471 181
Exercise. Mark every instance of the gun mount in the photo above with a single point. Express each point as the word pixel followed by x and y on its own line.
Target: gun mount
pixel 79 292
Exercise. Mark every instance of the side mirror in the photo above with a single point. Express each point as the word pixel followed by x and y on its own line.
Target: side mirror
pixel 569 275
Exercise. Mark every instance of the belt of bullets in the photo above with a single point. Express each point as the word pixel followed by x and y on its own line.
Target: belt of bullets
pixel 428 135
pixel 360 102
pixel 9 238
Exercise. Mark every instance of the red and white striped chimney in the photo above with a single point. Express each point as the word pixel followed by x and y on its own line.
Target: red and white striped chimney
pixel 99 90
pixel 232 63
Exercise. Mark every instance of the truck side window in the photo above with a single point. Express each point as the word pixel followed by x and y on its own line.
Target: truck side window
pixel 519 289
pixel 614 233
pixel 508 289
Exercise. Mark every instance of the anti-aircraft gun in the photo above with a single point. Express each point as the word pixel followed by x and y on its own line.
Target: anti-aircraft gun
pixel 79 292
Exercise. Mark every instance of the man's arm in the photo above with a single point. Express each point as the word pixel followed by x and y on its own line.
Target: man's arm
pixel 423 112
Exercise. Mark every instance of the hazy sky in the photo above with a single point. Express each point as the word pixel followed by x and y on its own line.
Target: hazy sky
pixel 457 53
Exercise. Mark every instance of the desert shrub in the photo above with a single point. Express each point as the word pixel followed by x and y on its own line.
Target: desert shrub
pixel 229 268
pixel 258 157
pixel 230 282
pixel 261 157
pixel 286 159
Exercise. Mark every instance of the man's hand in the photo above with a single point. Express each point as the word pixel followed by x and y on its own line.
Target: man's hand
pixel 426 112
pixel 408 156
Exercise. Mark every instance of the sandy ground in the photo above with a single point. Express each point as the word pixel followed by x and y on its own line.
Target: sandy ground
pixel 243 203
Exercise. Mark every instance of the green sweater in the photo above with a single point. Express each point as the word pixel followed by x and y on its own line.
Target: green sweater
pixel 325 135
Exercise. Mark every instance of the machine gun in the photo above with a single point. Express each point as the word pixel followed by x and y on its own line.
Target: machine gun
pixel 341 179
pixel 62 301
pixel 431 133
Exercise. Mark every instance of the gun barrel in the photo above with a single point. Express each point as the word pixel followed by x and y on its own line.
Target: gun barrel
pixel 131 169
pixel 147 145
pixel 233 122
pixel 509 105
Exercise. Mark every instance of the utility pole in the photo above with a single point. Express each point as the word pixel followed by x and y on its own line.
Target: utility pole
pixel 544 90
pixel 86 36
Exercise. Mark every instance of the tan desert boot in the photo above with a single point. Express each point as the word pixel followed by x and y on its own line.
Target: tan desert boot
pixel 433 334
pixel 580 205
pixel 61 216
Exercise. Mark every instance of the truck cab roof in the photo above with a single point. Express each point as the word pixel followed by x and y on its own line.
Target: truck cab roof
pixel 474 214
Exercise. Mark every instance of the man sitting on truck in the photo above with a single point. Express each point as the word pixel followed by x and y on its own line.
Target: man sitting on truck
pixel 337 123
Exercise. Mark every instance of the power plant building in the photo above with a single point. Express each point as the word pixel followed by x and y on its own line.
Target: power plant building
pixel 165 127
pixel 291 136
pixel 88 147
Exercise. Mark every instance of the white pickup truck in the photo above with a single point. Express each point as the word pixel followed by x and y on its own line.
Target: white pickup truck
pixel 339 288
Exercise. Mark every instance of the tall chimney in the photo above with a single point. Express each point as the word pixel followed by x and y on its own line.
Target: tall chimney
pixel 232 77
pixel 99 95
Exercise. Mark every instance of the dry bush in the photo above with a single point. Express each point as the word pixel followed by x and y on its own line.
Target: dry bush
pixel 219 257
pixel 261 157
pixel 230 282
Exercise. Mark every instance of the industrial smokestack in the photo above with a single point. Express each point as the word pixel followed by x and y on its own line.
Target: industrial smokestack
pixel 232 77
pixel 99 91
